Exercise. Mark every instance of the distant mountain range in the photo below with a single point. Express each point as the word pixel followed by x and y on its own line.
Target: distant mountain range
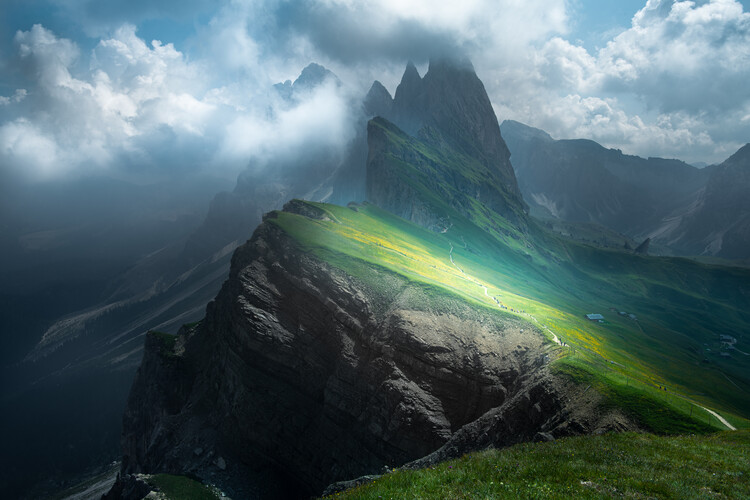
pixel 435 156
pixel 434 320
pixel 718 221
pixel 77 301
pixel 684 210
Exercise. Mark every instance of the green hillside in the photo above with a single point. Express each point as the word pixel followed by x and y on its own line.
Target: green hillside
pixel 613 465
pixel 553 287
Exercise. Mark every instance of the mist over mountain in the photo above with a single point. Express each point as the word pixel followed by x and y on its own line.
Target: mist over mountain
pixel 683 209
pixel 106 260
pixel 213 233
pixel 718 221
pixel 162 261
pixel 308 326
pixel 395 332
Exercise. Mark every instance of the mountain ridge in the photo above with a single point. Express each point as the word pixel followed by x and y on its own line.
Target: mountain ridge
pixel 682 209
pixel 347 339
pixel 448 109
pixel 395 369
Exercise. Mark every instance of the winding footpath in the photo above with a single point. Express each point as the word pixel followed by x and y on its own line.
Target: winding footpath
pixel 497 302
pixel 554 337
pixel 466 276
pixel 718 417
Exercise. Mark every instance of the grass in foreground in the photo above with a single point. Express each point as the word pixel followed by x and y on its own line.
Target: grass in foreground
pixel 612 465
pixel 182 488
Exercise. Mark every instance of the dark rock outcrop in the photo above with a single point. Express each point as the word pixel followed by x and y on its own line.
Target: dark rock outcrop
pixel 718 222
pixel 581 181
pixel 378 101
pixel 449 110
pixel 128 486
pixel 302 375
pixel 642 249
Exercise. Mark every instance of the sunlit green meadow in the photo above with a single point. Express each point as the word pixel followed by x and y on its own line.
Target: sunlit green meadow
pixel 630 361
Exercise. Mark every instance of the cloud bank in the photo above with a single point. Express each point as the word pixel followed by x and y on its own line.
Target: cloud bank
pixel 673 84
pixel 145 110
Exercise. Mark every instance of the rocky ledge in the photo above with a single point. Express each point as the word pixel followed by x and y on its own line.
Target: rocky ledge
pixel 302 375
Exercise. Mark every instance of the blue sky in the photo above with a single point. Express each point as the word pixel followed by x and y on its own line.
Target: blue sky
pixel 84 88
pixel 594 22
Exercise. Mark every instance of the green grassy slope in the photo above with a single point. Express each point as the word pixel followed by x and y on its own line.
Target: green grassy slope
pixel 182 488
pixel 613 465
pixel 553 288
pixel 682 307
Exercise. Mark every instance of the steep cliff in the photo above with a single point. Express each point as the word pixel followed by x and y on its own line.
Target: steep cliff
pixel 348 339
pixel 582 181
pixel 718 222
pixel 448 114
pixel 431 185
pixel 303 374
pixel 682 209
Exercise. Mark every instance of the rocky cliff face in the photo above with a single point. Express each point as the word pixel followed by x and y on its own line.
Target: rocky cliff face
pixel 581 181
pixel 457 111
pixel 301 375
pixel 686 210
pixel 449 111
pixel 718 222
pixel 406 192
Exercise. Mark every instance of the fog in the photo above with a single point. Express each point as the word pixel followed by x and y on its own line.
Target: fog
pixel 141 142
pixel 107 96
pixel 143 111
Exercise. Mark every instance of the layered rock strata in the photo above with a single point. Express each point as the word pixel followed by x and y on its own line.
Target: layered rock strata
pixel 302 375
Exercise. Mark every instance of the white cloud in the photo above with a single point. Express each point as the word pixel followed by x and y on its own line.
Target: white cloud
pixel 25 146
pixel 356 31
pixel 674 84
pixel 135 106
pixel 18 96
pixel 321 121
pixel 471 21
pixel 683 56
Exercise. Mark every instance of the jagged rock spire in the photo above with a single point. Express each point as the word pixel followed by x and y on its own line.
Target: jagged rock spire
pixel 378 101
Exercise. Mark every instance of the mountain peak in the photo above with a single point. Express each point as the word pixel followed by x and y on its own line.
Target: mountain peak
pixel 409 82
pixel 741 156
pixel 313 75
pixel 411 75
pixel 378 101
pixel 518 129
pixel 406 111
pixel 450 106
pixel 457 105
pixel 439 64
pixel 408 100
